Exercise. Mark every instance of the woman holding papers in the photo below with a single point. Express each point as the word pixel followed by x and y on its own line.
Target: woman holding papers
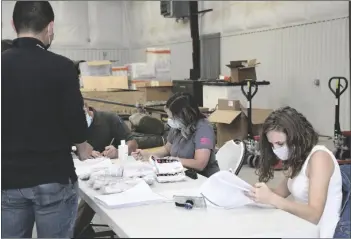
pixel 191 138
pixel 313 175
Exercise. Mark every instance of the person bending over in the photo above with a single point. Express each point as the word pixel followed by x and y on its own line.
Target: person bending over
pixel 312 174
pixel 191 138
pixel 104 128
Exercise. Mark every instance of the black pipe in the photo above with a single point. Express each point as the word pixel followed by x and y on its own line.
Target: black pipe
pixel 249 114
pixel 126 105
pixel 195 35
pixel 134 106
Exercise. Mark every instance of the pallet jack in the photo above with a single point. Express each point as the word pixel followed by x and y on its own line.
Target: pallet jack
pixel 342 139
pixel 252 142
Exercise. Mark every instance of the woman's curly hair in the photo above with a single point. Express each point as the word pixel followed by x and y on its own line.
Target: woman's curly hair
pixel 300 139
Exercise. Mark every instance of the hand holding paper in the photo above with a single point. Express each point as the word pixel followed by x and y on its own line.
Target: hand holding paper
pixel 261 193
pixel 226 190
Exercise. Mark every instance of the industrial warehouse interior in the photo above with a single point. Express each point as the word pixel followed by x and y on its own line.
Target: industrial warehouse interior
pixel 187 119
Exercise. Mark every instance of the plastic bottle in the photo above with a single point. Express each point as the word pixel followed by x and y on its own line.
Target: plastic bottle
pixel 122 152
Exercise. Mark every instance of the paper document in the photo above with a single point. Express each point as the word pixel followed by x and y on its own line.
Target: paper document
pixel 226 190
pixel 140 194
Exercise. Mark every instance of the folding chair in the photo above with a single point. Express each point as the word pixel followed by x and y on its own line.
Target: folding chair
pixel 231 156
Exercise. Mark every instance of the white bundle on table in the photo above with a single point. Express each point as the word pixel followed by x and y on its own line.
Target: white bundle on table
pixel 168 169
pixel 108 178
pixel 138 169
pixel 105 177
pixel 85 168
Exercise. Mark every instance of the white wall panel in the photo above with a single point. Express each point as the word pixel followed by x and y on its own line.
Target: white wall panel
pixel 106 24
pixel 211 22
pixel 233 16
pixel 321 10
pixel 121 56
pixel 260 14
pixel 290 12
pixel 6 18
pixel 101 25
pixel 291 59
pixel 71 23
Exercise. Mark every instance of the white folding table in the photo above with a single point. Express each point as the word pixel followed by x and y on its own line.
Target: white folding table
pixel 166 220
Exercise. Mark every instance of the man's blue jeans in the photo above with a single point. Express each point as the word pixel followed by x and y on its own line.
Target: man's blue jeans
pixel 53 207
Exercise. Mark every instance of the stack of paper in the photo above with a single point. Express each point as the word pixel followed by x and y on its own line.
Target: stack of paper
pixel 226 190
pixel 140 194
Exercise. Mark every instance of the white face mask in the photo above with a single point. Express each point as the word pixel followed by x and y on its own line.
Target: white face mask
pixel 89 119
pixel 175 124
pixel 282 153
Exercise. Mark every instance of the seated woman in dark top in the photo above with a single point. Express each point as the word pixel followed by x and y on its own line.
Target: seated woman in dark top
pixel 191 139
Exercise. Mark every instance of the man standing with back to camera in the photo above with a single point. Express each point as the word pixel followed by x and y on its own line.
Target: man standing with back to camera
pixel 42 116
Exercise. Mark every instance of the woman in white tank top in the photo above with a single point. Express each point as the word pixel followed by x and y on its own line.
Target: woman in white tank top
pixel 312 173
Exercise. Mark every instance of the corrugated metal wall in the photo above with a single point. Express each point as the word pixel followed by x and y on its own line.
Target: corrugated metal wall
pixel 291 59
pixel 119 55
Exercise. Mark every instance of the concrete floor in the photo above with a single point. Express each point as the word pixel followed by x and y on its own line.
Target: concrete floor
pixel 247 174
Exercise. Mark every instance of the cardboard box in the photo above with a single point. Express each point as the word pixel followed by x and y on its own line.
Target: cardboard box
pixel 104 83
pixel 140 70
pixel 147 83
pixel 258 117
pixel 156 93
pixel 231 123
pixel 96 68
pixel 160 59
pixel 231 120
pixel 242 70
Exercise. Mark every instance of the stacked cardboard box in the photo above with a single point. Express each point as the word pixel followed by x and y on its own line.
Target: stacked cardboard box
pixel 231 120
pixel 242 69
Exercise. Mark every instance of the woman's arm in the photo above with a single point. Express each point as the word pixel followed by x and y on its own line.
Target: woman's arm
pixel 200 160
pixel 163 151
pixel 319 171
pixel 204 145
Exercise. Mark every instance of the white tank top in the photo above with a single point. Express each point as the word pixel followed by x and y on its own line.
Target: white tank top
pixel 298 187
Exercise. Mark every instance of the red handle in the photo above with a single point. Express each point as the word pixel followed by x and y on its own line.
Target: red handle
pixel 256 137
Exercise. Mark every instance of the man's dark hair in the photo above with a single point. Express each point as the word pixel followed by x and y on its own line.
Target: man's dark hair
pixel 32 16
pixel 6 44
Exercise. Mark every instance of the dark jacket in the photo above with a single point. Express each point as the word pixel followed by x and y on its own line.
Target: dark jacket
pixel 42 115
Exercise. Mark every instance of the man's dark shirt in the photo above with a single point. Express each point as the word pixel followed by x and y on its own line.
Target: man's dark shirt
pixel 42 116
pixel 105 127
